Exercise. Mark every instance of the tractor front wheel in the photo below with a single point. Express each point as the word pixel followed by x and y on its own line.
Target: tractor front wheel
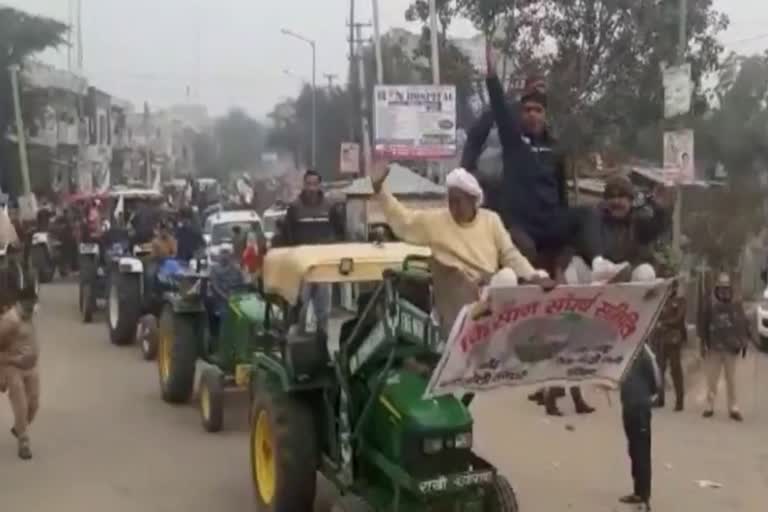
pixel 177 355
pixel 351 503
pixel 502 497
pixel 283 452
pixel 146 335
pixel 123 307
pixel 212 399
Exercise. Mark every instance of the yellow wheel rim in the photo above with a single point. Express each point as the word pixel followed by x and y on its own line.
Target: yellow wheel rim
pixel 164 354
pixel 205 402
pixel 263 458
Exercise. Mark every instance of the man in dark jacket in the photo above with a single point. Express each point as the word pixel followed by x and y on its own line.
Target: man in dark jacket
pixel 668 338
pixel 189 237
pixel 725 333
pixel 312 220
pixel 533 201
pixel 637 393
pixel 628 229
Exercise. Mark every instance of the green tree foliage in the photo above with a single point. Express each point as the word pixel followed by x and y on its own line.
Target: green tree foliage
pixel 234 145
pixel 21 36
pixel 605 74
pixel 292 130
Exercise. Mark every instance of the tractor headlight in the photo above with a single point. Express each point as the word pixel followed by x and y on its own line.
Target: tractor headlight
pixel 433 445
pixel 463 440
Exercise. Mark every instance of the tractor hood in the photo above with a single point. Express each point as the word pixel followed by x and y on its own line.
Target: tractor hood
pixel 250 306
pixel 402 396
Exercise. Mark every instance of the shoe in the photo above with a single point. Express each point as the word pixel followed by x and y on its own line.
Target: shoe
pixel 584 408
pixel 25 451
pixel 658 404
pixel 554 411
pixel 679 406
pixel 632 499
pixel 708 414
pixel 537 397
pixel 736 416
pixel 605 271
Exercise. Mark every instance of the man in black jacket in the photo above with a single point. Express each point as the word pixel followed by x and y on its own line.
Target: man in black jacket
pixel 310 220
pixel 637 392
pixel 532 200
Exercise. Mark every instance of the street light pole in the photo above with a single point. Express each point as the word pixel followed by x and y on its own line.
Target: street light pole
pixel 312 45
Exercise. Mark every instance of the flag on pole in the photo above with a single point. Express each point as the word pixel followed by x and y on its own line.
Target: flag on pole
pixel 120 208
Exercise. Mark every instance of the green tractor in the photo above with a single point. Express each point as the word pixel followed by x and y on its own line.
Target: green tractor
pixel 349 402
pixel 189 331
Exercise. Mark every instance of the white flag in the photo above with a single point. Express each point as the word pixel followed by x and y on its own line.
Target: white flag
pixel 120 208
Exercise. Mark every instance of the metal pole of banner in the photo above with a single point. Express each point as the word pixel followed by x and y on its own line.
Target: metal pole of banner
pixel 364 100
pixel 677 218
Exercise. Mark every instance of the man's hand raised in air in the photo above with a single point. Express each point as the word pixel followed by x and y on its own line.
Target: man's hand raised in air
pixel 379 173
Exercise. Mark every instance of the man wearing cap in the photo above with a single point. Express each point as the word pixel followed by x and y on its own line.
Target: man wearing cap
pixel 534 202
pixel 463 237
pixel 724 335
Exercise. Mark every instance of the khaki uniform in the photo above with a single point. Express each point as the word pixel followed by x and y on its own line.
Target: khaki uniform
pixel 18 369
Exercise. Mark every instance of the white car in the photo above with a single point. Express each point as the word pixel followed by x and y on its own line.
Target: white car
pixel 218 231
pixel 271 218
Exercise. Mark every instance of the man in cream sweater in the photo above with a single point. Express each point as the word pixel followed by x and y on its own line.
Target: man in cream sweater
pixel 468 243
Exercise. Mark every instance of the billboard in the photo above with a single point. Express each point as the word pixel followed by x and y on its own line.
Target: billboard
pixel 415 122
pixel 679 160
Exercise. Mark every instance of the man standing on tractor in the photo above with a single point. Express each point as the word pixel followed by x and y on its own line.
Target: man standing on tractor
pixel 463 237
pixel 724 333
pixel 534 206
pixel 310 220
pixel 226 276
pixel 189 237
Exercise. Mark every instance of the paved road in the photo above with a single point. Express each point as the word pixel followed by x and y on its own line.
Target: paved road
pixel 105 441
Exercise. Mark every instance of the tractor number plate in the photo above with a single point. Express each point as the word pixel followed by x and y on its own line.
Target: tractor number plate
pixel 242 375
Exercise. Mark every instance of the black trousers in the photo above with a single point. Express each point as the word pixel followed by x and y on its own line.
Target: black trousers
pixel 669 355
pixel 637 426
pixel 580 233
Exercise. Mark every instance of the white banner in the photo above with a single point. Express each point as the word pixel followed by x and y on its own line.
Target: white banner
pixel 525 336
pixel 677 90
pixel 415 121
pixel 349 158
pixel 678 157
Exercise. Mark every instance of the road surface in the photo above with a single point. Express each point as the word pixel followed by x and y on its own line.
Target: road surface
pixel 105 441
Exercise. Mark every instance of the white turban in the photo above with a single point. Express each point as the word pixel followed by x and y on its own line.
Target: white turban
pixel 461 179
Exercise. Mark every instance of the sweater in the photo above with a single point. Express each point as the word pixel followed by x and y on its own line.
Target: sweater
pixel 478 249
pixel 641 382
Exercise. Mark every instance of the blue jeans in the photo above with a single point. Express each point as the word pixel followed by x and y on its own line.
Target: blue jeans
pixel 319 295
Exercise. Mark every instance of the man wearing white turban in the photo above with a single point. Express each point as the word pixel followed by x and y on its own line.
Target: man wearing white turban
pixel 465 239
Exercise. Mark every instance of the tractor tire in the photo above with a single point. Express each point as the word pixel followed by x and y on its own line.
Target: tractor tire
pixel 87 300
pixel 212 399
pixel 351 503
pixel 123 307
pixel 502 497
pixel 762 344
pixel 146 335
pixel 41 260
pixel 284 453
pixel 177 354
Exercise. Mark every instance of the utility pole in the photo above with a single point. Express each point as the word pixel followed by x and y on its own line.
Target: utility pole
pixel 79 16
pixel 682 43
pixel 21 140
pixel 352 83
pixel 377 43
pixel 330 77
pixel 366 138
pixel 434 165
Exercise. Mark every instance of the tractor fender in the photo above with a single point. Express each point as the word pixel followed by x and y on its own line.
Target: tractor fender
pixel 127 265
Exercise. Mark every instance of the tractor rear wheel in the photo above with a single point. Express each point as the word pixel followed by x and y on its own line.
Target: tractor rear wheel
pixel 502 497
pixel 351 503
pixel 123 307
pixel 212 399
pixel 283 452
pixel 146 335
pixel 177 355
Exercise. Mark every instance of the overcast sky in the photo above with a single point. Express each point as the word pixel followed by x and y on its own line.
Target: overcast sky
pixel 231 52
